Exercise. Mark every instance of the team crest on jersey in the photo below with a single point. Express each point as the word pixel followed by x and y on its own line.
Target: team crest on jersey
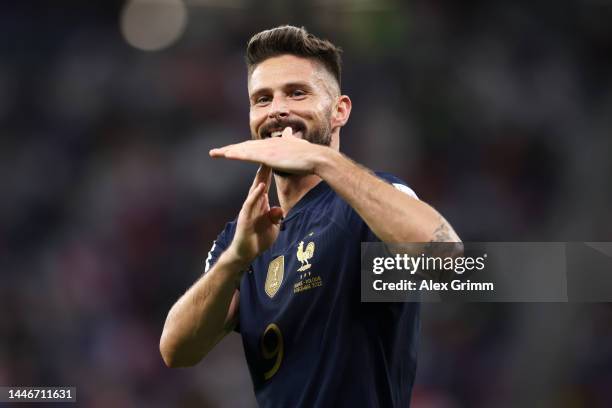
pixel 307 280
pixel 274 278
pixel 304 254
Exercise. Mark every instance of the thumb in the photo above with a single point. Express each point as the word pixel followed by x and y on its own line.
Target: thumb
pixel 275 215
pixel 287 132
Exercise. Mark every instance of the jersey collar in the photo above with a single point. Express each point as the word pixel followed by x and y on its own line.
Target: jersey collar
pixel 309 197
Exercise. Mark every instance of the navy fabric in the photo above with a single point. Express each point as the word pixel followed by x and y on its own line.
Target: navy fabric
pixel 323 346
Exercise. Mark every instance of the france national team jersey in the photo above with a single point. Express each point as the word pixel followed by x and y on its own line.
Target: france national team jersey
pixel 308 339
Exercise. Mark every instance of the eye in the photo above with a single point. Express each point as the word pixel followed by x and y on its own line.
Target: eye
pixel 298 93
pixel 262 100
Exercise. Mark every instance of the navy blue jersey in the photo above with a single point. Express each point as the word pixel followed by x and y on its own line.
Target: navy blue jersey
pixel 308 339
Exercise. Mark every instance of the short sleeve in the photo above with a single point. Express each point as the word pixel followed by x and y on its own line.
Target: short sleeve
pixel 219 245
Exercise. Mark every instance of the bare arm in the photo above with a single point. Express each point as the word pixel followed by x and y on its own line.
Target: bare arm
pixel 392 215
pixel 208 310
pixel 203 315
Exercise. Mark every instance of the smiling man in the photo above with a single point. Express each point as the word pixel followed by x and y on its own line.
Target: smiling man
pixel 287 278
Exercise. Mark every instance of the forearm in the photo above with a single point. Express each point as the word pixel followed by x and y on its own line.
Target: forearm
pixel 392 215
pixel 198 320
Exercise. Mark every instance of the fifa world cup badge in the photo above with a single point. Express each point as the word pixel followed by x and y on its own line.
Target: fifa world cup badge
pixel 276 271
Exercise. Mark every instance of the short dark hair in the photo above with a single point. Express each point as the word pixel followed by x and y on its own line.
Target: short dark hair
pixel 294 41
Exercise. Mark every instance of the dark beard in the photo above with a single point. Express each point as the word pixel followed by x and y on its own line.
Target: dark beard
pixel 320 135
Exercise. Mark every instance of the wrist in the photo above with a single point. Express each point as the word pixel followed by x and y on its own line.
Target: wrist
pixel 234 261
pixel 325 160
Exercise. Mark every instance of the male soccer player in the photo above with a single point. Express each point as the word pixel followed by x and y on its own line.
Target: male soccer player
pixel 287 278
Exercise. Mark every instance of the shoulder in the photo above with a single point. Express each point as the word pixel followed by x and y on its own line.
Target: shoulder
pixel 227 234
pixel 220 244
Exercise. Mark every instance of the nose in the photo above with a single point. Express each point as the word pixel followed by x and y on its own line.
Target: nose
pixel 278 109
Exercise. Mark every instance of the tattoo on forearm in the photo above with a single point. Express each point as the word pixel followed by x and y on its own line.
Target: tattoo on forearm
pixel 444 241
pixel 441 234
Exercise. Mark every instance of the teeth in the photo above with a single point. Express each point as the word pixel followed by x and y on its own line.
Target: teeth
pixel 277 133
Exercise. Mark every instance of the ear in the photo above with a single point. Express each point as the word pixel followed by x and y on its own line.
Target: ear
pixel 342 111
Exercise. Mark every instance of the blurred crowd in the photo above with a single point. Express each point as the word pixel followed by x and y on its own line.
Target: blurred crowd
pixel 499 115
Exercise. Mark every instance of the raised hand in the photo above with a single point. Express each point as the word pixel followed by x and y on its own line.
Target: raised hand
pixel 258 225
pixel 287 153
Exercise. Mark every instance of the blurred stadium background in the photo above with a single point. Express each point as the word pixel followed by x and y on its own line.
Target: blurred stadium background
pixel 498 114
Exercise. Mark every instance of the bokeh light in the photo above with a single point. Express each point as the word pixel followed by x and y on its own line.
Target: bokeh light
pixel 153 25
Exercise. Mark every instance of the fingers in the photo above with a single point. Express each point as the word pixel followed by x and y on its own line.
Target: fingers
pixel 263 175
pixel 232 152
pixel 287 132
pixel 229 151
pixel 253 151
pixel 218 152
pixel 267 176
pixel 275 215
pixel 256 180
pixel 253 198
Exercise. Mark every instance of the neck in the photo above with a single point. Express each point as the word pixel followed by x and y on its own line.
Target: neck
pixel 292 188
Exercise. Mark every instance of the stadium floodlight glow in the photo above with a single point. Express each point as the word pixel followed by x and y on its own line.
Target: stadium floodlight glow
pixel 152 25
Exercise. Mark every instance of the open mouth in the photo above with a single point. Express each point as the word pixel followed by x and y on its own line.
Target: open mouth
pixel 277 131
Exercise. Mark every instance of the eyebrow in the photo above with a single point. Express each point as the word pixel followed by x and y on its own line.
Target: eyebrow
pixel 289 85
